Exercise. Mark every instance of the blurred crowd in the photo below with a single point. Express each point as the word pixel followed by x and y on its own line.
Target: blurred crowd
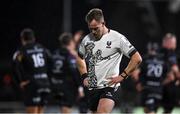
pixel 57 81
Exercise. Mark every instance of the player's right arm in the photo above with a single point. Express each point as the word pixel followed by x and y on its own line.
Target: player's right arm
pixel 169 78
pixel 18 68
pixel 173 71
pixel 81 63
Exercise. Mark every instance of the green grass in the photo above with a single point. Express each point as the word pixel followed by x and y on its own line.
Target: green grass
pixel 139 110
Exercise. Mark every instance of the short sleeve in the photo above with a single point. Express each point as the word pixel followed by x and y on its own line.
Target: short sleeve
pixel 172 59
pixel 81 50
pixel 18 56
pixel 126 47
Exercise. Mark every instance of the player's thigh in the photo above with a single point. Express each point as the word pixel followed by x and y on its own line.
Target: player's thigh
pixel 68 97
pixel 45 98
pixel 66 109
pixel 32 109
pixel 151 104
pixel 109 98
pixel 105 105
pixel 30 97
pixel 93 99
pixel 40 109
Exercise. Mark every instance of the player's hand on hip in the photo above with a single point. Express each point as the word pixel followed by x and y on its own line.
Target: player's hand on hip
pixel 139 87
pixel 115 80
pixel 85 82
pixel 74 53
pixel 24 83
pixel 81 92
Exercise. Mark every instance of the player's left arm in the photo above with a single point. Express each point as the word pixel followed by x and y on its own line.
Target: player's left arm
pixel 18 69
pixel 135 59
pixel 49 63
pixel 174 66
pixel 134 62
pixel 129 51
pixel 175 70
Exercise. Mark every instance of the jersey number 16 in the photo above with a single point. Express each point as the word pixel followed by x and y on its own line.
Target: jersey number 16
pixel 38 60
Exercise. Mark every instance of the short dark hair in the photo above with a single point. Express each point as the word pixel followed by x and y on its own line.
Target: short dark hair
pixel 96 14
pixel 168 36
pixel 65 39
pixel 27 34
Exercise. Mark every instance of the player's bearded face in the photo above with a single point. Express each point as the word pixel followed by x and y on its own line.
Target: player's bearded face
pixel 96 28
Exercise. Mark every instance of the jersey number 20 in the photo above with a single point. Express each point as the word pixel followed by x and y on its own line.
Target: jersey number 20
pixel 155 70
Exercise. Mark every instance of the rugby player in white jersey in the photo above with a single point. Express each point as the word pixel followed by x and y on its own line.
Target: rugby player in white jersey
pixel 100 54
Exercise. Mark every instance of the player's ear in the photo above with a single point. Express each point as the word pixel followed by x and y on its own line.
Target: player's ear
pixel 103 22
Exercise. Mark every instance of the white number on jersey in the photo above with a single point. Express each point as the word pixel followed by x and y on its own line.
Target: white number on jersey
pixel 38 60
pixel 57 66
pixel 154 70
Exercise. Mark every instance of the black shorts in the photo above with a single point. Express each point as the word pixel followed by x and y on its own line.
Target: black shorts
pixel 34 96
pixel 169 97
pixel 151 100
pixel 96 94
pixel 64 95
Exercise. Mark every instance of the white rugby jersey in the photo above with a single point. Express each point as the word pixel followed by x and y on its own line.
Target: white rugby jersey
pixel 103 57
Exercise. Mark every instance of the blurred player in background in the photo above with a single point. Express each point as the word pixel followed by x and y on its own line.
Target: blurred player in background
pixel 152 74
pixel 65 74
pixel 82 101
pixel 31 65
pixel 103 48
pixel 172 81
pixel 129 94
pixel 78 36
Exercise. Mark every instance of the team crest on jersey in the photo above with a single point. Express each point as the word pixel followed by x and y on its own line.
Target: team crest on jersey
pixel 108 44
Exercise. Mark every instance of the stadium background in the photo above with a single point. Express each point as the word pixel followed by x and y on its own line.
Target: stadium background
pixel 140 20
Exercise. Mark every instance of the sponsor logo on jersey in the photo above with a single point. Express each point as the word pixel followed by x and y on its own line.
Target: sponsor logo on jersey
pixel 108 44
pixel 130 46
pixel 109 94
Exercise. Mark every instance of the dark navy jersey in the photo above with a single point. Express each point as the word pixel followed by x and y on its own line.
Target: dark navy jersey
pixel 170 56
pixel 31 63
pixel 171 59
pixel 64 67
pixel 153 71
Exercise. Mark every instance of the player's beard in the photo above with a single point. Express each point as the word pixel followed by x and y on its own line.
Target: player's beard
pixel 97 36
